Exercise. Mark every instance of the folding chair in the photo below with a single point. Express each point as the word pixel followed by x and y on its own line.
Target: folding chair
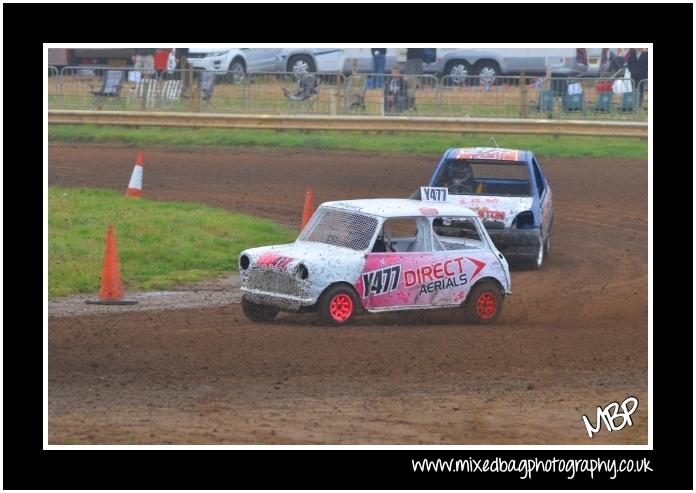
pixel 171 91
pixel 354 91
pixel 603 103
pixel 206 83
pixel 628 102
pixel 306 94
pixel 545 101
pixel 111 86
pixel 145 89
pixel 573 102
pixel 412 86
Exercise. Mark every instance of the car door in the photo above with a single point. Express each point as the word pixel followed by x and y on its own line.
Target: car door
pixel 544 198
pixel 260 59
pixel 423 272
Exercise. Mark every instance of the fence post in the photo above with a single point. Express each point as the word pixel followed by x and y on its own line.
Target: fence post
pixel 195 95
pixel 523 96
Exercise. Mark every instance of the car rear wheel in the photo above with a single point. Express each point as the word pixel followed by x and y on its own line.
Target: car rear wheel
pixel 258 313
pixel 484 303
pixel 301 65
pixel 337 305
pixel 487 71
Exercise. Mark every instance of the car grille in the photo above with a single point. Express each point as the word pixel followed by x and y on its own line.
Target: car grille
pixel 273 281
pixel 197 55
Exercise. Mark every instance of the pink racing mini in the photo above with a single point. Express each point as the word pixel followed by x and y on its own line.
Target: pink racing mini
pixel 379 255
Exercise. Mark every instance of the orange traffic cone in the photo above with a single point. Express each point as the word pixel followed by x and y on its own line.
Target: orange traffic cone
pixel 135 187
pixel 111 292
pixel 308 208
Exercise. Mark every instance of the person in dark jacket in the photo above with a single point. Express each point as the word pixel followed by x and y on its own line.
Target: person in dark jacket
pixel 638 66
pixel 379 57
pixel 395 92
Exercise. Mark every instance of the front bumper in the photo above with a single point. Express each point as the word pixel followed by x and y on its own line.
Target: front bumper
pixel 516 243
pixel 275 288
pixel 282 301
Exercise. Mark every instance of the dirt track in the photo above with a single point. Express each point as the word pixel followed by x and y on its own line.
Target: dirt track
pixel 572 337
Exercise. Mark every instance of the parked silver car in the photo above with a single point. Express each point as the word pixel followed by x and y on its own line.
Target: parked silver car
pixel 488 63
pixel 239 61
pixel 454 62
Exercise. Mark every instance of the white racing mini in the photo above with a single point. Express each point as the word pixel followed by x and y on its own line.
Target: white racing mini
pixel 379 255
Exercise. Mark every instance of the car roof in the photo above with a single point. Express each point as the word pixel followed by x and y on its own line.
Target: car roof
pixel 401 207
pixel 487 153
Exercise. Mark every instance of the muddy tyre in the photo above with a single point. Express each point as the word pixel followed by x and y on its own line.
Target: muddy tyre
pixel 484 303
pixel 258 313
pixel 337 306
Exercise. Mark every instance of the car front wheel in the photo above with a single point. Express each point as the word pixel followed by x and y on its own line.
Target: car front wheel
pixel 457 71
pixel 237 71
pixel 337 306
pixel 258 313
pixel 484 303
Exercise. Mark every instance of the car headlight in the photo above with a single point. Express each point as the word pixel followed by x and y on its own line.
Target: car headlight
pixel 244 262
pixel 302 271
pixel 216 53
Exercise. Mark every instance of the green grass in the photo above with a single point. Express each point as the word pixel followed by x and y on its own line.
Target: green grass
pixel 390 142
pixel 160 244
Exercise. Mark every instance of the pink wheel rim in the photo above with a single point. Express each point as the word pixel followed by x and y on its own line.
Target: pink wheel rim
pixel 486 306
pixel 341 307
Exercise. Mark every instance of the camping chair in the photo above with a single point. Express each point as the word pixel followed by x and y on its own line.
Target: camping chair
pixel 573 102
pixel 574 97
pixel 146 90
pixel 171 91
pixel 411 86
pixel 603 103
pixel 545 101
pixel 206 84
pixel 306 94
pixel 354 91
pixel 111 86
pixel 628 102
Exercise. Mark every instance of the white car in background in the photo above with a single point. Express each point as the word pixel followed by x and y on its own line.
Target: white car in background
pixel 239 61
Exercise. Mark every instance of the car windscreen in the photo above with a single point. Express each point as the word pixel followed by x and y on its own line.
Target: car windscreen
pixel 340 228
pixel 479 177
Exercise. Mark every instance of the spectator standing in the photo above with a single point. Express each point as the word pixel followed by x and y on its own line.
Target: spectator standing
pixel 379 57
pixel 638 66
pixel 414 61
pixel 145 59
pixel 162 60
pixel 395 92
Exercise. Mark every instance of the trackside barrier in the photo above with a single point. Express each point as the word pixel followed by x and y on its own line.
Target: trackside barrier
pixel 54 89
pixel 353 123
pixel 280 93
pixel 643 90
pixel 585 98
pixel 475 96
